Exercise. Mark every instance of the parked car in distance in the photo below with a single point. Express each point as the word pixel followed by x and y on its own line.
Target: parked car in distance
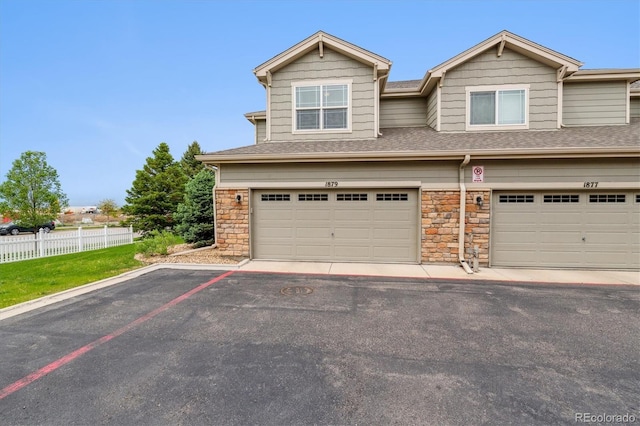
pixel 14 229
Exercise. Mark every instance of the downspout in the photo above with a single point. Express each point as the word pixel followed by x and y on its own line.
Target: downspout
pixel 462 220
pixel 377 131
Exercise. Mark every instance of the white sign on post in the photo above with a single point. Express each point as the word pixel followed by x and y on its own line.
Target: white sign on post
pixel 478 174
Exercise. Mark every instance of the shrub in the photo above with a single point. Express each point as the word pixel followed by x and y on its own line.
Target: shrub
pixel 156 243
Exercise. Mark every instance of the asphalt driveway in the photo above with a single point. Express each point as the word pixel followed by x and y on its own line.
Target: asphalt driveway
pixel 203 347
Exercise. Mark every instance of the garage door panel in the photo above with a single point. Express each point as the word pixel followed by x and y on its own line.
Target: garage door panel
pixel 316 232
pixel 608 218
pixel 277 233
pixel 394 254
pixel 277 214
pixel 559 218
pixel 517 236
pixel 355 215
pixel 355 226
pixel 392 215
pixel 517 257
pixel 352 234
pixel 566 238
pixel 550 234
pixel 353 252
pixel 392 234
pixel 611 238
pixel 571 253
pixel 309 215
pixel 278 249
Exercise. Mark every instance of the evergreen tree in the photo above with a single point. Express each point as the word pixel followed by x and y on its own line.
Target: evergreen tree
pixel 194 218
pixel 156 192
pixel 190 165
pixel 32 193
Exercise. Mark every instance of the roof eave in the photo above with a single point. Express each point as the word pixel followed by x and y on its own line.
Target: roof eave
pixel 571 152
pixel 629 75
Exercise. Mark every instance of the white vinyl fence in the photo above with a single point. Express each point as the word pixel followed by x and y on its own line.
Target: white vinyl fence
pixel 13 249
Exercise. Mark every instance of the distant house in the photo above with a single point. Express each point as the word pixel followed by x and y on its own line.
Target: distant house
pixel 508 151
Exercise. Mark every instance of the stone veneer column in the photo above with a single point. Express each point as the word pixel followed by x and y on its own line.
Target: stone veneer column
pixel 232 222
pixel 477 226
pixel 440 215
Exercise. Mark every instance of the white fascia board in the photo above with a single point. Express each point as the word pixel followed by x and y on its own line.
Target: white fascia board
pixel 332 42
pixel 513 42
pixel 579 152
pixel 629 75
pixel 255 116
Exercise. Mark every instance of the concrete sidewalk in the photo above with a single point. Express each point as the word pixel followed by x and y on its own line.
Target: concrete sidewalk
pixel 580 276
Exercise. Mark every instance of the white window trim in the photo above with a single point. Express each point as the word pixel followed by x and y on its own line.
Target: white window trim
pixel 485 127
pixel 308 83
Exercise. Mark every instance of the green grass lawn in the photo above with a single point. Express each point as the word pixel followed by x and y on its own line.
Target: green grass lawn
pixel 30 279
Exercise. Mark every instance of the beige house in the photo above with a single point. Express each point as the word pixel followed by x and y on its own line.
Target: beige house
pixel 508 152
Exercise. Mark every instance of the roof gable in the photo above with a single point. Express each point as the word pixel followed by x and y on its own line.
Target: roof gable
pixel 514 42
pixel 565 65
pixel 318 41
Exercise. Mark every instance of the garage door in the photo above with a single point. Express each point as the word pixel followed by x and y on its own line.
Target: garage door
pixel 336 225
pixel 586 230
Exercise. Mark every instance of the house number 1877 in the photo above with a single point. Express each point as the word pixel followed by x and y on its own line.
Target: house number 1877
pixel 590 185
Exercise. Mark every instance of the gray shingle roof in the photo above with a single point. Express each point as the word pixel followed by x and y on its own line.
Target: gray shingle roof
pixel 405 84
pixel 426 141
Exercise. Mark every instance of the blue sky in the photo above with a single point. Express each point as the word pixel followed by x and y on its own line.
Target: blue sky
pixel 97 85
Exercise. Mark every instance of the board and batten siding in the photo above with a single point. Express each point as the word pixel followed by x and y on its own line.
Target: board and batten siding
pixel 332 66
pixel 487 69
pixel 425 172
pixel 409 112
pixel 594 103
pixel 635 107
pixel 557 171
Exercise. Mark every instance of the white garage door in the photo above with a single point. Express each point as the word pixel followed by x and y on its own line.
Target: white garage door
pixel 548 229
pixel 336 225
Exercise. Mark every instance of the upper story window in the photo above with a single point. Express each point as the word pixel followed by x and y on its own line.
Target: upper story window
pixel 322 106
pixel 497 107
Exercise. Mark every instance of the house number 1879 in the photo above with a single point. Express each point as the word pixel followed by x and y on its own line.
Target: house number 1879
pixel 331 184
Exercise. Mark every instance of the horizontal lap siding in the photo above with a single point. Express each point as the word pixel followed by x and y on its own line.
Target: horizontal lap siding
pixel 333 66
pixel 635 107
pixel 432 109
pixel 594 103
pixel 440 172
pixel 410 112
pixel 488 69
pixel 558 171
pixel 261 131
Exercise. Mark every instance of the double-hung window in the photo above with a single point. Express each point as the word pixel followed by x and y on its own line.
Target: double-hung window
pixel 497 107
pixel 321 106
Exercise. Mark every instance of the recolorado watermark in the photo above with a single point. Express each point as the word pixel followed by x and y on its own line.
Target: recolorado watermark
pixel 605 418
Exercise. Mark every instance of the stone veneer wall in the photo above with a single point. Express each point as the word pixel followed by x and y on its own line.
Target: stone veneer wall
pixel 440 215
pixel 477 226
pixel 232 222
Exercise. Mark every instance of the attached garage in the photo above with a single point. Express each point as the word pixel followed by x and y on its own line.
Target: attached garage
pixel 566 229
pixel 355 225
